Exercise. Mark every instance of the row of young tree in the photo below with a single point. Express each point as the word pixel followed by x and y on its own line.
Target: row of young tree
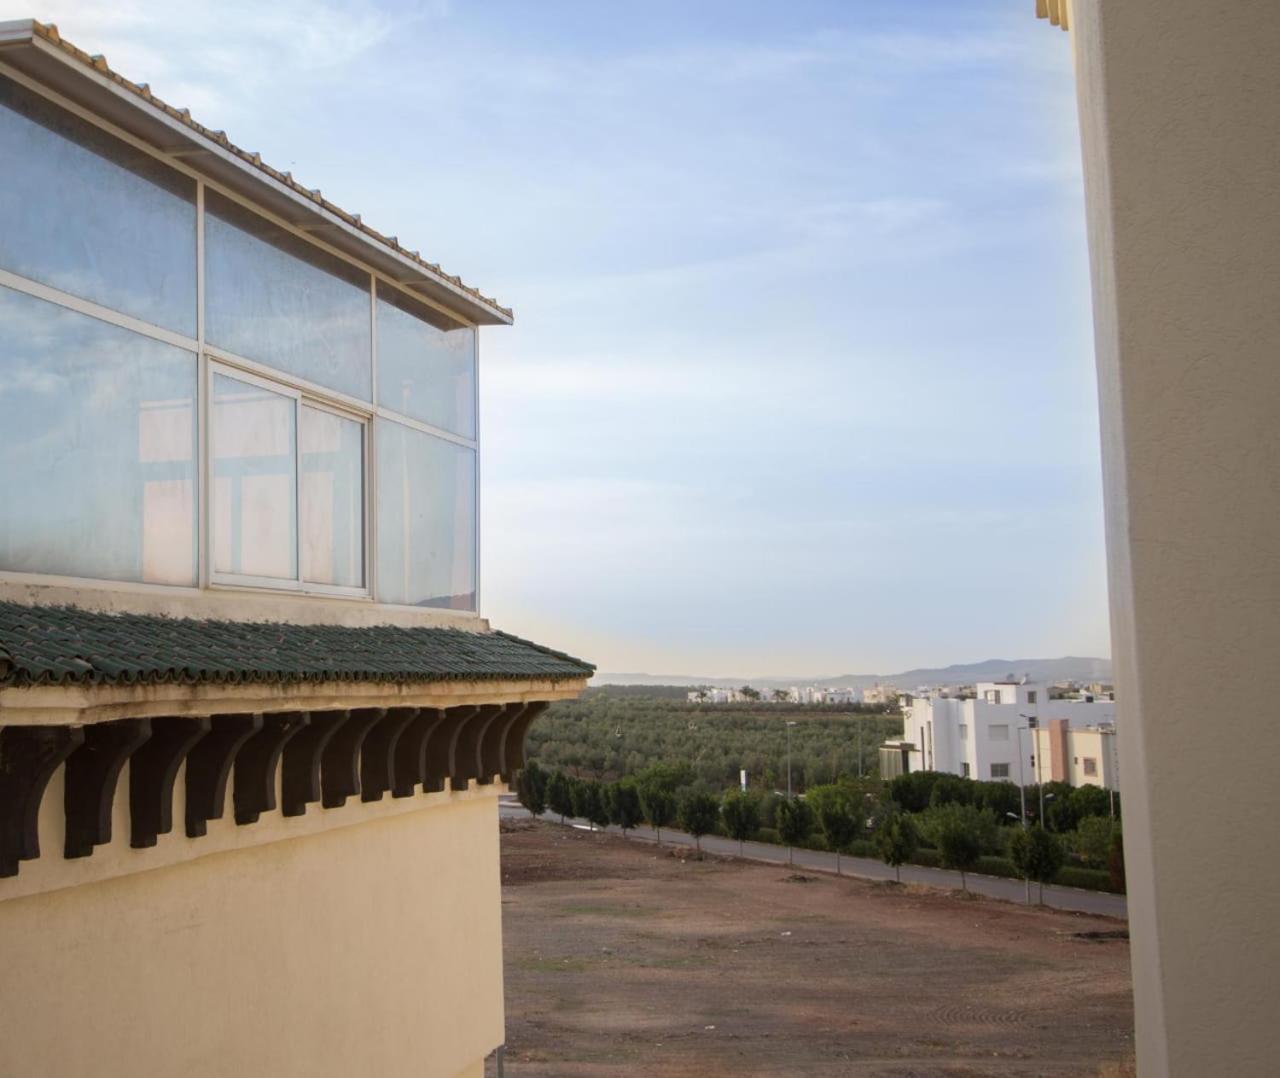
pixel 611 733
pixel 961 825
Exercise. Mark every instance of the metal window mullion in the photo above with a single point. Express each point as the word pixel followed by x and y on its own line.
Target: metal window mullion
pixel 427 428
pixel 204 413
pixel 56 296
pixel 475 409
pixel 297 487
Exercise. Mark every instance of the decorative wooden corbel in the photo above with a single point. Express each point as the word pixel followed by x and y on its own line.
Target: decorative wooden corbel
pixel 93 771
pixel 465 751
pixel 514 742
pixel 492 740
pixel 378 757
pixel 153 770
pixel 340 763
pixel 29 755
pixel 441 747
pixel 300 773
pixel 411 751
pixel 254 788
pixel 209 767
pixel 466 762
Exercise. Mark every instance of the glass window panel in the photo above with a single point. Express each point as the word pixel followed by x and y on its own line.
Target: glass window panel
pixel 426 365
pixel 90 215
pixel 98 448
pixel 255 505
pixel 426 519
pixel 272 297
pixel 332 499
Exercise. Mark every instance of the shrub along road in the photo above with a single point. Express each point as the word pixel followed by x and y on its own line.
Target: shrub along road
pixel 1062 898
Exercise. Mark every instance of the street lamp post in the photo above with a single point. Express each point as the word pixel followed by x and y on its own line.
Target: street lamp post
pixel 1022 798
pixel 790 723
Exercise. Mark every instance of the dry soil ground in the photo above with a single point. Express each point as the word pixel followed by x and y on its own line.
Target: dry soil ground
pixel 624 959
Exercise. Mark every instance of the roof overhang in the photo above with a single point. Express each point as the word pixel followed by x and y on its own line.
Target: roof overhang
pixel 38 52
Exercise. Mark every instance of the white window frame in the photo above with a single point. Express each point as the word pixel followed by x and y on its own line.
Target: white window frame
pixel 238 367
pixel 215 366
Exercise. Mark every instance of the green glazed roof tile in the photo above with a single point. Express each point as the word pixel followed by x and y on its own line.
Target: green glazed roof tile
pixel 44 645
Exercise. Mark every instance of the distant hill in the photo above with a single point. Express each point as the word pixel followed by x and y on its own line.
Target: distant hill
pixel 1068 668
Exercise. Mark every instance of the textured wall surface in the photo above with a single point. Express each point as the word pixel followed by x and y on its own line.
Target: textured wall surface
pixel 1180 117
pixel 371 949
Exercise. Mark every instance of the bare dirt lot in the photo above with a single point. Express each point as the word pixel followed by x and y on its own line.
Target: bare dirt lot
pixel 624 959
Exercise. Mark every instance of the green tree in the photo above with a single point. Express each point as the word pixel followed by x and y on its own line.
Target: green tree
pixel 659 806
pixel 598 807
pixel 749 693
pixel 1060 807
pixel 951 789
pixel 1090 801
pixel 741 814
pixel 559 795
pixel 897 840
pixel 795 824
pixel 839 824
pixel 1092 840
pixel 1115 862
pixel 532 788
pixel 624 805
pixel 991 838
pixel 959 840
pixel 583 796
pixel 913 790
pixel 1002 799
pixel 1037 855
pixel 698 815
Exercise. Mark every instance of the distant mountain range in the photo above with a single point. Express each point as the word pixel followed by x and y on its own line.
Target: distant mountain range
pixel 1068 668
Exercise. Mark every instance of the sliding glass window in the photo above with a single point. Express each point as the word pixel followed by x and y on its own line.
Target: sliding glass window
pixel 288 487
pixel 90 215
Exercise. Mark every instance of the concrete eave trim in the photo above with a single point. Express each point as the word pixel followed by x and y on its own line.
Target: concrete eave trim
pixel 50 705
pixel 22 47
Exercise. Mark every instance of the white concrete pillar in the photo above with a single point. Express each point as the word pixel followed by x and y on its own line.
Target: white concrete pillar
pixel 1180 117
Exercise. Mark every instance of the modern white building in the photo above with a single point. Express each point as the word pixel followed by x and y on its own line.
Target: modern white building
pixel 1080 757
pixel 979 737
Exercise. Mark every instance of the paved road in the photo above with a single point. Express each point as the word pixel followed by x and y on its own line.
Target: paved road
pixel 1063 898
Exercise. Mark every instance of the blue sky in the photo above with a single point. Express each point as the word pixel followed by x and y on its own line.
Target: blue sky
pixel 802 375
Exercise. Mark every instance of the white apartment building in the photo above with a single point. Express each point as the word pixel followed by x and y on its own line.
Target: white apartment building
pixel 994 736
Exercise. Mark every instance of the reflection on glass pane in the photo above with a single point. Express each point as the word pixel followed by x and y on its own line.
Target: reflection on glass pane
pixel 426 371
pixel 97 448
pixel 272 297
pixel 255 512
pixel 426 519
pixel 332 499
pixel 90 215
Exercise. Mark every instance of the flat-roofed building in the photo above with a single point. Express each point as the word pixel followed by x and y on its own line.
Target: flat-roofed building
pixel 992 735
pixel 253 727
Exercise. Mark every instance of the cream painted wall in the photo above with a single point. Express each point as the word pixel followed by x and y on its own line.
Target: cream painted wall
pixel 363 950
pixel 1180 120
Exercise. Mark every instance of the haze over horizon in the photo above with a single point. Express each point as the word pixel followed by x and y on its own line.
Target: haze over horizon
pixel 802 366
pixel 1078 667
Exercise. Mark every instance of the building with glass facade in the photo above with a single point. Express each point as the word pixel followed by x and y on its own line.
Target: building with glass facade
pixel 252 723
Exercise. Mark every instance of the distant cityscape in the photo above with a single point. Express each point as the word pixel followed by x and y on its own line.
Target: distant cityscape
pixel 1010 730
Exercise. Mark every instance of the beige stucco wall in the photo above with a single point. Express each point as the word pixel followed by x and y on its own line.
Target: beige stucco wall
pixel 367 949
pixel 1180 118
